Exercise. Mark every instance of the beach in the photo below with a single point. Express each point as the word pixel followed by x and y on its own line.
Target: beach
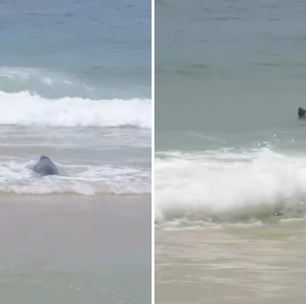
pixel 230 264
pixel 230 164
pixel 75 85
pixel 72 249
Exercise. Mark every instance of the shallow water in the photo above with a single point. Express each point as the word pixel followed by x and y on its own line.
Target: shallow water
pixel 91 160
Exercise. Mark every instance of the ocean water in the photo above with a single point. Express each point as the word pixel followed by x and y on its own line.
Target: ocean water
pixel 75 85
pixel 230 151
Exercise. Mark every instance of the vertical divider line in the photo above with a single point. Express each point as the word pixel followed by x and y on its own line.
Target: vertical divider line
pixel 152 150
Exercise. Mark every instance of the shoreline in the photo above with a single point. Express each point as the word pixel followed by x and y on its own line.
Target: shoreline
pixel 76 196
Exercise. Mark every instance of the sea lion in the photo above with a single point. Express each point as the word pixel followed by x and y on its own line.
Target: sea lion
pixel 45 166
pixel 301 113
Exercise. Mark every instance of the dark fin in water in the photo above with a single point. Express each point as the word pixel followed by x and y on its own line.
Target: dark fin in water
pixel 301 113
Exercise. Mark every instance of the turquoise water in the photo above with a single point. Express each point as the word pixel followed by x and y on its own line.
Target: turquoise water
pixel 103 45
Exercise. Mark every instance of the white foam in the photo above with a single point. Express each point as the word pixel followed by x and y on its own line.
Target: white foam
pixel 227 183
pixel 24 108
pixel 17 178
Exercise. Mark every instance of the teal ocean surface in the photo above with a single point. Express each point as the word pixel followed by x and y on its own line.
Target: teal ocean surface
pixel 230 76
pixel 75 82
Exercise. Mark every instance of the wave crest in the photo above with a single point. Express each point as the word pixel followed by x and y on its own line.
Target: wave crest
pixel 225 186
pixel 24 108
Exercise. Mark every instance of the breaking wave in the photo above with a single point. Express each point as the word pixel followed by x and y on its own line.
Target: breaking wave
pixel 25 108
pixel 229 186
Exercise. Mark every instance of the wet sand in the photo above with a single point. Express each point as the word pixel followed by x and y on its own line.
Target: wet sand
pixel 246 265
pixel 75 249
